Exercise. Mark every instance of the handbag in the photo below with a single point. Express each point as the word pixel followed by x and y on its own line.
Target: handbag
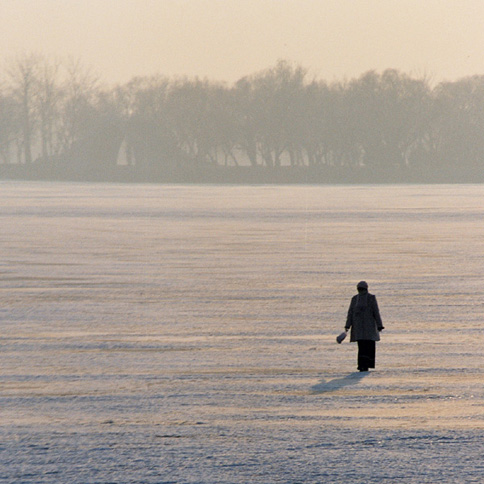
pixel 341 337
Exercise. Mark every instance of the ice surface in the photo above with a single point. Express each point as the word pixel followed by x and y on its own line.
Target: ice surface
pixel 186 334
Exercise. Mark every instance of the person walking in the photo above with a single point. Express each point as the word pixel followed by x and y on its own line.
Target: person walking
pixel 365 323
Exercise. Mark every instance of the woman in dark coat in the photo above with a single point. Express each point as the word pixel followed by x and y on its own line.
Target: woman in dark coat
pixel 365 323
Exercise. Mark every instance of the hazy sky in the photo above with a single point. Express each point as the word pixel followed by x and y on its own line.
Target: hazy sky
pixel 227 39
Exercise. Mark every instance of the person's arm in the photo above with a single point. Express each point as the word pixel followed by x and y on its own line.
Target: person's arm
pixel 376 315
pixel 349 318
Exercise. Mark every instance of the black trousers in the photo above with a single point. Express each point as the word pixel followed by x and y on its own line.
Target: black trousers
pixel 366 354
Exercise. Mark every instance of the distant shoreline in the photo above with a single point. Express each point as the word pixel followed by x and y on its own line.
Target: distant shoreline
pixel 260 175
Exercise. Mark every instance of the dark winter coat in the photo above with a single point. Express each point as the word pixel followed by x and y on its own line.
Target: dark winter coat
pixel 364 318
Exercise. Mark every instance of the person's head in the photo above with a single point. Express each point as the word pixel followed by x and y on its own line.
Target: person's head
pixel 362 286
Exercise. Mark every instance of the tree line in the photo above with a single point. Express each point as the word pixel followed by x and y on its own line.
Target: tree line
pixel 57 119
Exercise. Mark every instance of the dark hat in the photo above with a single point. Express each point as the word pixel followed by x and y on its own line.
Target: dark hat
pixel 362 285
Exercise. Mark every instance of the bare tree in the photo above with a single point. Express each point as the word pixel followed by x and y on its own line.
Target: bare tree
pixel 8 126
pixel 388 116
pixel 459 122
pixel 149 133
pixel 276 98
pixel 246 118
pixel 79 91
pixel 48 97
pixel 22 74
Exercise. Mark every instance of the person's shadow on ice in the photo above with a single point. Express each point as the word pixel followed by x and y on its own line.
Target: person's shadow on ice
pixel 332 385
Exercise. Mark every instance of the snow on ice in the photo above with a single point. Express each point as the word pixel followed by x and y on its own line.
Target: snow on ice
pixel 186 334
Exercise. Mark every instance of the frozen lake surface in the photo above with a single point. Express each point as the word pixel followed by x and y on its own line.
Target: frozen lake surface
pixel 186 334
